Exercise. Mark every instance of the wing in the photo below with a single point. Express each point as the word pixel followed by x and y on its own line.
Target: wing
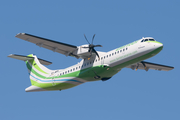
pixel 148 65
pixel 55 46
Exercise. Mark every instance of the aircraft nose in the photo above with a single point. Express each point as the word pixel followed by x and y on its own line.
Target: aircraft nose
pixel 158 44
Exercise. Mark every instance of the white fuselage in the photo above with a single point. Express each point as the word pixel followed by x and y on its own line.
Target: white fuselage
pixel 114 57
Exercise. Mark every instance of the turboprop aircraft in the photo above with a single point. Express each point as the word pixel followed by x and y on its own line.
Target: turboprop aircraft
pixel 94 65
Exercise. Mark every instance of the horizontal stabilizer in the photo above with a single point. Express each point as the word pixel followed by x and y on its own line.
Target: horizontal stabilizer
pixel 24 58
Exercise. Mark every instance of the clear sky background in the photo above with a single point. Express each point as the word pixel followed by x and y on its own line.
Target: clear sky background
pixel 129 95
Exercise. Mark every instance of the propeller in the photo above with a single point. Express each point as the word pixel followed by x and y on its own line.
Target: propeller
pixel 91 46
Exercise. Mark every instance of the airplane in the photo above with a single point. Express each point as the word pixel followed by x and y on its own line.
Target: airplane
pixel 94 66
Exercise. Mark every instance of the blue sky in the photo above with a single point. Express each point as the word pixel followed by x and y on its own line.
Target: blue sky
pixel 137 95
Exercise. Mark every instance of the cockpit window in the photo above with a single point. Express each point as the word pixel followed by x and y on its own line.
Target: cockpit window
pixel 142 41
pixel 145 40
pixel 151 40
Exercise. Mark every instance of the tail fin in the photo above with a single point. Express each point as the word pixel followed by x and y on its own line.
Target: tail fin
pixel 36 70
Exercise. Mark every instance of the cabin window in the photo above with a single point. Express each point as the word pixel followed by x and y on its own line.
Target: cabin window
pixel 117 51
pixel 146 40
pixel 101 58
pixel 73 69
pixel 104 57
pixel 112 54
pixel 151 40
pixel 120 50
pixel 142 41
pixel 68 71
pixel 60 74
pixel 65 72
pixel 126 48
pixel 107 56
pixel 79 67
pixel 123 49
pixel 84 64
pixel 76 68
pixel 87 63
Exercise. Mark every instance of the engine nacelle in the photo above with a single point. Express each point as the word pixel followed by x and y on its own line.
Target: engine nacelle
pixel 82 52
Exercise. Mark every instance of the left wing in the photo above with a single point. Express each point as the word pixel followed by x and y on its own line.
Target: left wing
pixel 55 46
pixel 147 65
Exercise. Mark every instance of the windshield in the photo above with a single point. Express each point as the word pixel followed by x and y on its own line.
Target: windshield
pixel 147 40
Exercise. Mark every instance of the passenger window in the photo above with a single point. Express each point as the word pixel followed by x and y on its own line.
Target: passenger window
pixel 87 63
pixel 101 58
pixel 79 67
pixel 65 72
pixel 73 69
pixel 76 68
pixel 112 54
pixel 104 57
pixel 68 71
pixel 123 49
pixel 142 41
pixel 96 60
pixel 120 50
pixel 109 55
pixel 117 51
pixel 126 48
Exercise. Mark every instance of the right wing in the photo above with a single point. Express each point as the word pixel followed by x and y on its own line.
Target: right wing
pixel 55 46
pixel 149 65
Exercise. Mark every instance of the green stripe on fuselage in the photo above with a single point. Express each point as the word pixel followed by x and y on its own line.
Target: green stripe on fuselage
pixel 53 86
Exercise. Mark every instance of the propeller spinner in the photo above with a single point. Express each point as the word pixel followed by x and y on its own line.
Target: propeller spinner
pixel 91 46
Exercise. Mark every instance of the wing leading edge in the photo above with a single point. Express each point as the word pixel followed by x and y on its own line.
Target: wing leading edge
pixel 55 46
pixel 149 65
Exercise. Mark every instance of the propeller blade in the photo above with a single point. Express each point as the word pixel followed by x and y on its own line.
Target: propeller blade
pixel 90 51
pixel 93 38
pixel 86 38
pixel 85 47
pixel 95 52
pixel 98 46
